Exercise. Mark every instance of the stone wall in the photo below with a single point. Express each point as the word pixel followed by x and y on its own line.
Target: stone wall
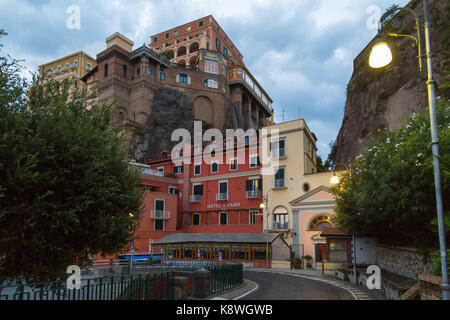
pixel 405 262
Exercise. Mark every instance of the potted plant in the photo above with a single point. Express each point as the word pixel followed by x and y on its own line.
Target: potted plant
pixel 297 263
pixel 308 261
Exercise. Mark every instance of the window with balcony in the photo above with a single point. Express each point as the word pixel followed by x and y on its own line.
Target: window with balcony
pixel 278 149
pixel 197 193
pixel 223 191
pixel 253 187
pixel 281 219
pixel 224 218
pixel 280 181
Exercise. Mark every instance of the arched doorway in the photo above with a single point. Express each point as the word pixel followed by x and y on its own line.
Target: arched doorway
pixel 181 51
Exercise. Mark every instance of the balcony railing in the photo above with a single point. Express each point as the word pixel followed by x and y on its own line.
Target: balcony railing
pixel 280 226
pixel 196 199
pixel 253 194
pixel 280 183
pixel 160 215
pixel 222 197
pixel 240 73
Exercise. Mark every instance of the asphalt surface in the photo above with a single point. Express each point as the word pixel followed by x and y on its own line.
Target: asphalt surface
pixel 273 286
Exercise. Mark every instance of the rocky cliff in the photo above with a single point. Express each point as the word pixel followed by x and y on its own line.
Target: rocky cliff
pixel 383 99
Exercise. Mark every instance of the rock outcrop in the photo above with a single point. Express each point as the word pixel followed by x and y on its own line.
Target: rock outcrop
pixel 384 99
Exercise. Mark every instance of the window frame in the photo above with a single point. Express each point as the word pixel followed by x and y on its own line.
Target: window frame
pixel 212 165
pixel 225 213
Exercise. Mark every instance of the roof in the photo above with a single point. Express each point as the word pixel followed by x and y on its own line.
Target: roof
pixel 217 238
pixel 330 232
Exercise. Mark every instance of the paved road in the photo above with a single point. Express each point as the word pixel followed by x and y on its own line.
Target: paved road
pixel 274 286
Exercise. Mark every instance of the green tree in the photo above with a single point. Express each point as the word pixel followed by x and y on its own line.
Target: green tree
pixel 66 190
pixel 390 193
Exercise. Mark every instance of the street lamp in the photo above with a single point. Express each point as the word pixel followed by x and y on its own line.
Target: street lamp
pixel 379 57
pixel 263 206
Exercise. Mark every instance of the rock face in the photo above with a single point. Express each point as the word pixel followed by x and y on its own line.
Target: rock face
pixel 384 99
pixel 171 109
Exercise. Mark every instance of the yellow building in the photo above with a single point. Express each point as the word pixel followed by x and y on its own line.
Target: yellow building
pixel 73 66
pixel 298 202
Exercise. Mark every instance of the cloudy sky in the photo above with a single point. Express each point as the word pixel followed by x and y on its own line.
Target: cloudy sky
pixel 301 51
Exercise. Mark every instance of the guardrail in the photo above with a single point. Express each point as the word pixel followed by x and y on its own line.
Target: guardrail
pixel 147 287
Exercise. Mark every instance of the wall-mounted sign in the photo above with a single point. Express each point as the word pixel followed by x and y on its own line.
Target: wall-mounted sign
pixel 223 206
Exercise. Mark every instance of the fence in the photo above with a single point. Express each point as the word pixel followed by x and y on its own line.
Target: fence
pixel 146 287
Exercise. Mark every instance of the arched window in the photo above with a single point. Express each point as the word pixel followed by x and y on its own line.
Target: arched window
pixel 320 222
pixel 280 218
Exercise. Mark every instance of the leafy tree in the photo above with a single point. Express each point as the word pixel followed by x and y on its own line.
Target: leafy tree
pixel 66 191
pixel 389 193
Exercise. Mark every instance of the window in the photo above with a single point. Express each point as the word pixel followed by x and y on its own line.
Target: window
pixel 167 35
pixel 320 222
pixel 175 32
pixel 197 169
pixel 173 190
pixel 200 24
pixel 124 71
pixel 223 191
pixel 183 78
pixel 161 170
pixel 88 66
pixel 148 189
pixel 106 69
pixel 224 218
pixel 215 167
pixel 210 83
pixel 279 178
pixel 218 44
pixel 225 52
pixel 197 190
pixel 211 66
pixel 196 219
pixel 149 71
pixel 254 161
pixel 162 75
pixel 252 216
pixel 278 149
pixel 159 225
pixel 233 164
pixel 178 169
pixel 138 71
pixel 155 39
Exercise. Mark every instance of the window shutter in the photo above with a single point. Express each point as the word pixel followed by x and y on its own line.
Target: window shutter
pixel 248 185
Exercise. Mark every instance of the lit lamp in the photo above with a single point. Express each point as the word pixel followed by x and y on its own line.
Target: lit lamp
pixel 381 56
pixel 334 179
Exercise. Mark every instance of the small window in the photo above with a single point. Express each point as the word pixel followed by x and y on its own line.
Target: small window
pixel 162 75
pixel 106 69
pixel 159 225
pixel 234 164
pixel 155 39
pixel 254 161
pixel 183 78
pixel 196 219
pixel 149 71
pixel 225 52
pixel 173 190
pixel 175 32
pixel 200 24
pixel 161 170
pixel 138 71
pixel 218 44
pixel 306 187
pixel 88 66
pixel 214 167
pixel 124 71
pixel 178 169
pixel 210 83
pixel 197 169
pixel 167 35
pixel 224 218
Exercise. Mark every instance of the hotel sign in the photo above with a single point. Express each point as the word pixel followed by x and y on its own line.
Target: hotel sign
pixel 223 206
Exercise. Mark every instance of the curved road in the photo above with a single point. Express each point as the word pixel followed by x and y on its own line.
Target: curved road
pixel 273 286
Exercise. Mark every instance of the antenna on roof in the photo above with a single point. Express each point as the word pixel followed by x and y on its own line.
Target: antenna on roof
pixel 282 115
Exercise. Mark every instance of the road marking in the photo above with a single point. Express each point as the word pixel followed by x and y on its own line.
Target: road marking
pixel 246 294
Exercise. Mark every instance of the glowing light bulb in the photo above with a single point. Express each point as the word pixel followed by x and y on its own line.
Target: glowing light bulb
pixel 380 56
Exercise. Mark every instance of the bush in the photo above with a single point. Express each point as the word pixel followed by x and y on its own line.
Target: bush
pixel 390 192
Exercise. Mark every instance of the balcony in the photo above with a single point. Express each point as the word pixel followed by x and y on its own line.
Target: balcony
pixel 222 197
pixel 278 226
pixel 280 184
pixel 253 194
pixel 241 74
pixel 195 199
pixel 160 215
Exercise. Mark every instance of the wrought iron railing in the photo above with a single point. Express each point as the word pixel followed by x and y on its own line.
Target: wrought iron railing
pixel 160 215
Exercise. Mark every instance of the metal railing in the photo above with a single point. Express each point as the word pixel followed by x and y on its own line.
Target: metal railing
pixel 281 183
pixel 195 198
pixel 280 226
pixel 143 287
pixel 222 197
pixel 160 215
pixel 253 194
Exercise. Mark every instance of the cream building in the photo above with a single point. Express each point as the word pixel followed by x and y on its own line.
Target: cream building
pixel 298 201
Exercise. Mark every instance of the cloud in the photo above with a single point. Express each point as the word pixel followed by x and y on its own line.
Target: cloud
pixel 301 51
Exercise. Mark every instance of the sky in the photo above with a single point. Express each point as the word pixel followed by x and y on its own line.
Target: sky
pixel 300 51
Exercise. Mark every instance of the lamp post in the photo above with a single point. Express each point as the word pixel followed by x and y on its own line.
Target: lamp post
pixel 382 57
pixel 263 206
pixel 335 180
